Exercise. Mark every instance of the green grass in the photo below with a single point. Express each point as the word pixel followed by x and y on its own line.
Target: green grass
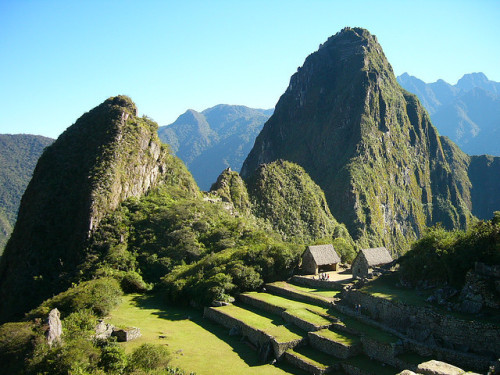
pixel 385 287
pixel 285 285
pixel 313 314
pixel 194 341
pixel 368 330
pixel 270 324
pixel 340 337
pixel 314 356
pixel 328 293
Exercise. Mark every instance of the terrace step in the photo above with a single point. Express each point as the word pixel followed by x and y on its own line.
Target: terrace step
pixel 261 329
pixel 339 344
pixel 313 361
pixel 291 291
pixel 304 315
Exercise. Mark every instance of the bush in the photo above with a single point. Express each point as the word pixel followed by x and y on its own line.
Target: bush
pixel 149 357
pixel 113 358
pixel 99 296
pixel 132 282
pixel 15 345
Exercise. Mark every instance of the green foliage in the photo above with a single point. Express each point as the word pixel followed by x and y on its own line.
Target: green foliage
pixel 285 195
pixel 15 345
pixel 149 357
pixel 113 358
pixel 99 296
pixel 445 257
pixel 132 282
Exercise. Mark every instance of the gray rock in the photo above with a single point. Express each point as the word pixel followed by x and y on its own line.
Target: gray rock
pixel 103 330
pixel 434 367
pixel 406 372
pixel 470 307
pixel 55 327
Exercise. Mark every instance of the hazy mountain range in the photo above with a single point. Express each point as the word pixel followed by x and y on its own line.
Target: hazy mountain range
pixel 214 139
pixel 468 112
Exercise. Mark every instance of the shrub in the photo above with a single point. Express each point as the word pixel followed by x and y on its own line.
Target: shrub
pixel 100 296
pixel 132 282
pixel 113 358
pixel 149 357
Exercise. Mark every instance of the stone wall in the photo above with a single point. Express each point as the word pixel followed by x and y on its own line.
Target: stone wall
pixel 301 323
pixel 444 334
pixel 334 348
pixel 308 367
pixel 257 337
pixel 353 370
pixel 263 305
pixel 314 283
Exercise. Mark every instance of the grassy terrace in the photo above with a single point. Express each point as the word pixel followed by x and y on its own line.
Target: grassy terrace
pixel 340 337
pixel 367 330
pixel 385 287
pixel 328 293
pixel 270 324
pixel 193 341
pixel 314 356
pixel 310 313
pixel 304 291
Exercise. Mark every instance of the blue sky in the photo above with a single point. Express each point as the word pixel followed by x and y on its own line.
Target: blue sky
pixel 59 59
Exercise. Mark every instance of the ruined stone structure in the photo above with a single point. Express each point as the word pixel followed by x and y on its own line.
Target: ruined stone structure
pixel 319 258
pixel 368 258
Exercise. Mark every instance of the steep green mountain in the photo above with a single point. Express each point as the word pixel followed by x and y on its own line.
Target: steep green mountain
pixel 107 156
pixel 18 156
pixel 217 138
pixel 468 112
pixel 367 143
pixel 484 174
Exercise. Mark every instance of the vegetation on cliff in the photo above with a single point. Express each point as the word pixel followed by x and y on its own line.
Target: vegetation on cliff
pixel 108 155
pixel 444 257
pixel 366 142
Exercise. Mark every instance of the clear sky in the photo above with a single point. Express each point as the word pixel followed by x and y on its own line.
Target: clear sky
pixel 59 59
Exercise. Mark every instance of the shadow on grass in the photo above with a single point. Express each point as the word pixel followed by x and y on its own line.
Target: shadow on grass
pixel 240 347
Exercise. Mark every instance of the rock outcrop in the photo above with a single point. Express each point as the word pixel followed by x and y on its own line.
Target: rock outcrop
pixel 367 143
pixel 55 327
pixel 107 156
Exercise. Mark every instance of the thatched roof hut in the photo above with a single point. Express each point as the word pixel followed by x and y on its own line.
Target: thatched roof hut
pixel 319 258
pixel 368 258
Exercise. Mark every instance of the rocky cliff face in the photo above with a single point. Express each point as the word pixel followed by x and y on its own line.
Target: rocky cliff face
pixel 107 156
pixel 366 142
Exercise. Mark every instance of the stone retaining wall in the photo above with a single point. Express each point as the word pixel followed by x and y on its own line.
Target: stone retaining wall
pixel 255 336
pixel 304 365
pixel 443 335
pixel 382 352
pixel 301 323
pixel 314 283
pixel 334 348
pixel 353 370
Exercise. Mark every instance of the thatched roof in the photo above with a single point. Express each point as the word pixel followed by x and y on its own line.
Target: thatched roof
pixel 376 256
pixel 324 254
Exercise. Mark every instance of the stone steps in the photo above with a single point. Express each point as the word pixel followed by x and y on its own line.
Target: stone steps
pixel 313 362
pixel 262 331
pixel 305 316
pixel 338 344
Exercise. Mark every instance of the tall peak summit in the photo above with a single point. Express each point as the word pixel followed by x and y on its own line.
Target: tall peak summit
pixel 366 142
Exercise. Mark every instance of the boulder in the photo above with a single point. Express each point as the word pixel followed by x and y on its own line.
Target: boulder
pixel 406 372
pixel 55 327
pixel 434 367
pixel 103 330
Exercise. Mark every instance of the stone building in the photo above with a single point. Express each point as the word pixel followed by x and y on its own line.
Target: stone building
pixel 368 258
pixel 319 258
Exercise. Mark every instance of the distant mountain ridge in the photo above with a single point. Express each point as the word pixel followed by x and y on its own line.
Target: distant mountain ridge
pixel 214 139
pixel 18 156
pixel 468 112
